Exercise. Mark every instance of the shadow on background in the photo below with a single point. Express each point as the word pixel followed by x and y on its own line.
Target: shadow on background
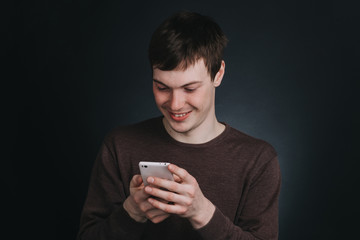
pixel 75 70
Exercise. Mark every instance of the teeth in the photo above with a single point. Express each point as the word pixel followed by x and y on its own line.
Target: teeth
pixel 180 115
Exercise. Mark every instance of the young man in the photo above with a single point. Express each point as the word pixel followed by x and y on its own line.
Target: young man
pixel 226 183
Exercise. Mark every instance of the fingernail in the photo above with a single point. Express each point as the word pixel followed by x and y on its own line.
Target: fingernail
pixel 148 189
pixel 150 180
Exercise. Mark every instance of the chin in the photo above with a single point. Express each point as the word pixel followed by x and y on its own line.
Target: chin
pixel 179 127
pixel 180 130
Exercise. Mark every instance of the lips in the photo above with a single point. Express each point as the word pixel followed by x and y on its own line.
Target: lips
pixel 179 116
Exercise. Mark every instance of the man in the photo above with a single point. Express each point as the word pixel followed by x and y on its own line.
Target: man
pixel 226 183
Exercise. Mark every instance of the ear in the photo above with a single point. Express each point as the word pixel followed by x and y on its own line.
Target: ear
pixel 219 75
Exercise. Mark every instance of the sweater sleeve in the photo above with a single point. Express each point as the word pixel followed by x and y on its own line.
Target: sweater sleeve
pixel 103 215
pixel 259 217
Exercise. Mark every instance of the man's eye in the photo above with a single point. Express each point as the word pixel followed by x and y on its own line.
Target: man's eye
pixel 190 89
pixel 162 88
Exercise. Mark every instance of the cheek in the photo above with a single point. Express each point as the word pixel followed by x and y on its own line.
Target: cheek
pixel 201 99
pixel 160 98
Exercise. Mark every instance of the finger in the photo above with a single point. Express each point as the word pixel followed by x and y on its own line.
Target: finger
pixel 166 184
pixel 168 208
pixel 167 196
pixel 177 178
pixel 181 173
pixel 145 206
pixel 140 197
pixel 136 181
pixel 156 215
pixel 159 219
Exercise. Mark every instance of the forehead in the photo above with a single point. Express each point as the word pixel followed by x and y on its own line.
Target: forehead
pixel 179 77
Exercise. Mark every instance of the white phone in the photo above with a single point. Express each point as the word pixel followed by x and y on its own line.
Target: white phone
pixel 155 169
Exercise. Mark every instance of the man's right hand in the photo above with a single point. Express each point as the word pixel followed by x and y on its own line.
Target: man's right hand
pixel 137 205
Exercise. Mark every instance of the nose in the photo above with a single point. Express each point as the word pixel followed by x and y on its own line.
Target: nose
pixel 176 101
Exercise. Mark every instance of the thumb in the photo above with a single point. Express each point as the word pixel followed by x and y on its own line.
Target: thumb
pixel 136 181
pixel 177 178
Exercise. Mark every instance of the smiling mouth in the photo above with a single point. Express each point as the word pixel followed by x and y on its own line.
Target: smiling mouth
pixel 179 116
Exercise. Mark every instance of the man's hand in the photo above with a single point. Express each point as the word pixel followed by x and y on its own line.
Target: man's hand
pixel 137 205
pixel 184 197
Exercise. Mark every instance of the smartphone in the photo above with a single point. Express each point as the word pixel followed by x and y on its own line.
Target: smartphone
pixel 155 169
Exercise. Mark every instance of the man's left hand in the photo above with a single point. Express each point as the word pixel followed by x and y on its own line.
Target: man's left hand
pixel 184 197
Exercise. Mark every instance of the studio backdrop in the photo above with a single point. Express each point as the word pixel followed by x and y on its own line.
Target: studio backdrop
pixel 80 68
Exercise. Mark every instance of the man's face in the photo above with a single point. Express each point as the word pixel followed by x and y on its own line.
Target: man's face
pixel 186 98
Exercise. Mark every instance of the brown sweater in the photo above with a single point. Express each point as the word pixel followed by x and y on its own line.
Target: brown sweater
pixel 239 174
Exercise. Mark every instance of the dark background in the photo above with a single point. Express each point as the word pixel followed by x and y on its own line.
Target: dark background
pixel 76 69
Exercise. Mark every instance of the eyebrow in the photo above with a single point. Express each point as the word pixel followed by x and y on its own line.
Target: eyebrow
pixel 185 85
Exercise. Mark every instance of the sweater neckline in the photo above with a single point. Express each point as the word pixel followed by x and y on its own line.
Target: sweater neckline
pixel 212 142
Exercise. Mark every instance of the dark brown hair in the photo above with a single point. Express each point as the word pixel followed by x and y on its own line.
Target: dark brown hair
pixel 184 38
